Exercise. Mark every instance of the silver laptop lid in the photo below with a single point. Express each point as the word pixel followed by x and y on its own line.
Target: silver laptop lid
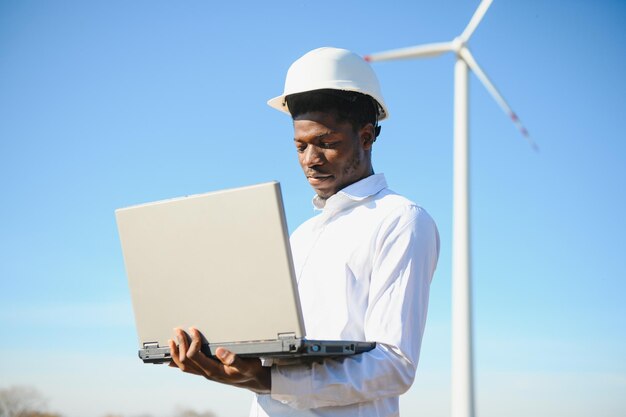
pixel 219 261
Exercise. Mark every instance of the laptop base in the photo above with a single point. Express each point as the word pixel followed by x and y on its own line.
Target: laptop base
pixel 280 348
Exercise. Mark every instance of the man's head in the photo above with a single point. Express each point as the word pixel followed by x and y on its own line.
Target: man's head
pixel 334 99
pixel 333 133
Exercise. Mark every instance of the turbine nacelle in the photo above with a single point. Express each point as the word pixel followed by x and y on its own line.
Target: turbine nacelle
pixel 459 47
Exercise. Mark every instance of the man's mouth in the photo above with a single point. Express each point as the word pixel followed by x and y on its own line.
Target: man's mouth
pixel 318 179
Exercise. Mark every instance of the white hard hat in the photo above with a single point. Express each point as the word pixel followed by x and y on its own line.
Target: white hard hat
pixel 331 68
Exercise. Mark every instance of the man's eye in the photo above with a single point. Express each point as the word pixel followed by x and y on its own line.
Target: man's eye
pixel 328 145
pixel 300 148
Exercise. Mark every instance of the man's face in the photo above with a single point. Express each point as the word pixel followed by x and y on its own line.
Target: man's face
pixel 331 154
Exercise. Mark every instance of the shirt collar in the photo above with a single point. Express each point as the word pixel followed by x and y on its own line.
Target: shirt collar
pixel 358 191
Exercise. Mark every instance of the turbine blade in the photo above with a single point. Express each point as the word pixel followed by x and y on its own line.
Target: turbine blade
pixel 475 20
pixel 465 54
pixel 428 50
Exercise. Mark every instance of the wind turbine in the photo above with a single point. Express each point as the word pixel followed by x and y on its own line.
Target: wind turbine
pixel 462 361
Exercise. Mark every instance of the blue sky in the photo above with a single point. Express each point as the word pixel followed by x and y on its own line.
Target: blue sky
pixel 109 104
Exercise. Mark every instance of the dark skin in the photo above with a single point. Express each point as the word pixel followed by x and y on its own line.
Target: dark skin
pixel 228 368
pixel 332 154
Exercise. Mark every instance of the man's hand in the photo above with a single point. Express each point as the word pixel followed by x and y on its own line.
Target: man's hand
pixel 231 369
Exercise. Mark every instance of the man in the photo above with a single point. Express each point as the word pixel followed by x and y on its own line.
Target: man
pixel 363 265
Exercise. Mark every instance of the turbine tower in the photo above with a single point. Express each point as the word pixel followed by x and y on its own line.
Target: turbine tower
pixel 462 360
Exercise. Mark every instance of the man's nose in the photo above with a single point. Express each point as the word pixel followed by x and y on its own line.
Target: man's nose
pixel 313 156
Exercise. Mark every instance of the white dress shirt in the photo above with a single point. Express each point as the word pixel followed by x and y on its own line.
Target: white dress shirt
pixel 364 267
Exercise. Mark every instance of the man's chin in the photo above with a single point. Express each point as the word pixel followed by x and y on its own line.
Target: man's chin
pixel 325 192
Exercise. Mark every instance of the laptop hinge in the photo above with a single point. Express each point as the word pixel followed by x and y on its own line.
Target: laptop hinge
pixel 289 335
pixel 149 345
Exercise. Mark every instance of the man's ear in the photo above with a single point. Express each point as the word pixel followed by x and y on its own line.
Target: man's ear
pixel 367 134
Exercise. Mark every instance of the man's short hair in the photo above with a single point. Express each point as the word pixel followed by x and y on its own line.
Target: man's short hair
pixel 348 106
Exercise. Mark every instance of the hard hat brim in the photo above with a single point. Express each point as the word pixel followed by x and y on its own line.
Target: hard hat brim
pixel 279 103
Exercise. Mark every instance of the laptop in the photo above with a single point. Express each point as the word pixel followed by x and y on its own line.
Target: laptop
pixel 220 262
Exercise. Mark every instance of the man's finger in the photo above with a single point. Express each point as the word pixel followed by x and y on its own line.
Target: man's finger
pixel 174 354
pixel 231 360
pixel 196 343
pixel 247 373
pixel 209 367
pixel 176 362
pixel 195 354
pixel 181 337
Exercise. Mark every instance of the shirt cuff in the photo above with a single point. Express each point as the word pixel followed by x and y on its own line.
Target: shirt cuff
pixel 291 384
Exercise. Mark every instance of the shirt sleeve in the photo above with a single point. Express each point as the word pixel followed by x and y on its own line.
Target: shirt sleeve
pixel 404 262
